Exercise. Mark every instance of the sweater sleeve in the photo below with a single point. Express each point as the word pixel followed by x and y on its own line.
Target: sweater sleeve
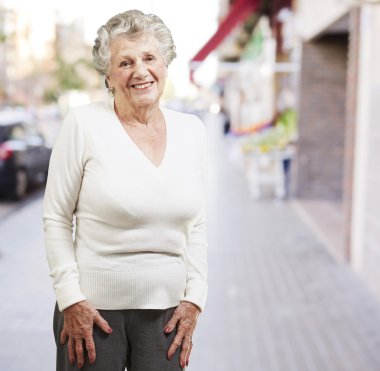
pixel 196 285
pixel 61 194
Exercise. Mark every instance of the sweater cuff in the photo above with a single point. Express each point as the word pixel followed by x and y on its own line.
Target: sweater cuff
pixel 196 293
pixel 68 294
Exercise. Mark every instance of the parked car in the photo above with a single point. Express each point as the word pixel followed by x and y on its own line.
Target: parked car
pixel 24 155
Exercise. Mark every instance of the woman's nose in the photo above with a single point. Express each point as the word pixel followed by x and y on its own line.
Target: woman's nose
pixel 140 70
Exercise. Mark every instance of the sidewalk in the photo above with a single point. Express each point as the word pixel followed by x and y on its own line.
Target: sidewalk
pixel 26 296
pixel 277 300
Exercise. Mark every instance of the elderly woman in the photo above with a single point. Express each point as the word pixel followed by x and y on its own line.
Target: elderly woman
pixel 132 281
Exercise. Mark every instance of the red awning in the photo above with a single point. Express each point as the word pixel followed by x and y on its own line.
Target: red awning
pixel 240 10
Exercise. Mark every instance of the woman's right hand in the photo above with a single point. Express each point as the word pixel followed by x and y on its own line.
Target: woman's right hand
pixel 79 320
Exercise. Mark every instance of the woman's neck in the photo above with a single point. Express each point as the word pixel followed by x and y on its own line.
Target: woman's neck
pixel 136 116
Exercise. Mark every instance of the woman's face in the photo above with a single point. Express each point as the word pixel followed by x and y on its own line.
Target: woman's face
pixel 138 70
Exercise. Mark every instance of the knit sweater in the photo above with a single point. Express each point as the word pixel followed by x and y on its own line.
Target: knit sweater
pixel 139 240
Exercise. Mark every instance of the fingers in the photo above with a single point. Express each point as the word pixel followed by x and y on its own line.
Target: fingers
pixel 71 349
pixel 102 323
pixel 169 327
pixel 184 318
pixel 172 323
pixel 175 344
pixel 185 349
pixel 75 349
pixel 63 336
pixel 79 352
pixel 90 346
pixel 89 340
pixel 188 353
pixel 79 320
pixel 180 340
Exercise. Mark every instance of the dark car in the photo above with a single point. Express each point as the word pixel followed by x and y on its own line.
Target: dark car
pixel 24 155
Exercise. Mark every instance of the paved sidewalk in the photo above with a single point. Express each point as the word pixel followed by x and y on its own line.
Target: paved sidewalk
pixel 26 296
pixel 277 300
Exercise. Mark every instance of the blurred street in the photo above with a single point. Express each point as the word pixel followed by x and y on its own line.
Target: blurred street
pixel 277 300
pixel 27 300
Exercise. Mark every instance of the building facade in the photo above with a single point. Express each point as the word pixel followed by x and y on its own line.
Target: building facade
pixel 339 132
pixel 336 173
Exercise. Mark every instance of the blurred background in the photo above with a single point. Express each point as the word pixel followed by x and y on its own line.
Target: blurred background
pixel 289 91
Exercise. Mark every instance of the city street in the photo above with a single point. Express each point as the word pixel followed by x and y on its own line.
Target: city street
pixel 27 300
pixel 277 300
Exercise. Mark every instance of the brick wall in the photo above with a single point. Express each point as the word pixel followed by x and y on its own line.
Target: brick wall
pixel 322 119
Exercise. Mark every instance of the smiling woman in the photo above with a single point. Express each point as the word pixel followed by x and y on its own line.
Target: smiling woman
pixel 133 173
pixel 137 74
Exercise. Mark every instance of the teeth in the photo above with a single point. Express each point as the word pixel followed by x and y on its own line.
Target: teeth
pixel 142 86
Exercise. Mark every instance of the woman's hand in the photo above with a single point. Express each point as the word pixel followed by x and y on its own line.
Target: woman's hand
pixel 79 320
pixel 184 318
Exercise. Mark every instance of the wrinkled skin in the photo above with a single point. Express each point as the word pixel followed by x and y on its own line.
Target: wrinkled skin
pixel 184 319
pixel 79 320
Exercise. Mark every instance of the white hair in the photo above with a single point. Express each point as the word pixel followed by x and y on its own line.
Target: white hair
pixel 132 23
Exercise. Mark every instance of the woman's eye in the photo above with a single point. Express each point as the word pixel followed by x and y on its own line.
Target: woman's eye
pixel 150 58
pixel 125 63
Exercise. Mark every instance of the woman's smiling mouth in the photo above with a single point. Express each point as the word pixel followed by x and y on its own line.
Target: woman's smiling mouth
pixel 142 86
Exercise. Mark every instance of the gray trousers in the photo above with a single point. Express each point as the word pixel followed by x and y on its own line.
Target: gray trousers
pixel 137 342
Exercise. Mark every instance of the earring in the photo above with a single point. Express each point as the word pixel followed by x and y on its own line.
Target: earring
pixel 111 91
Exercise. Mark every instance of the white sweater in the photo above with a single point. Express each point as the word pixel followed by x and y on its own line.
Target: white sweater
pixel 140 235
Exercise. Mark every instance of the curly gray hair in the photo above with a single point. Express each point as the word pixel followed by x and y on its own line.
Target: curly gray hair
pixel 133 23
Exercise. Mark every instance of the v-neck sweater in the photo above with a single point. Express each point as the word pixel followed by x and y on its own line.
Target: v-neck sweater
pixel 139 240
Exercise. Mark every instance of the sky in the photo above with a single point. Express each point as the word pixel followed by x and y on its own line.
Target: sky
pixel 191 22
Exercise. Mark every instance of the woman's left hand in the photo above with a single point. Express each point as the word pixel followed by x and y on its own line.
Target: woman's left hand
pixel 184 318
